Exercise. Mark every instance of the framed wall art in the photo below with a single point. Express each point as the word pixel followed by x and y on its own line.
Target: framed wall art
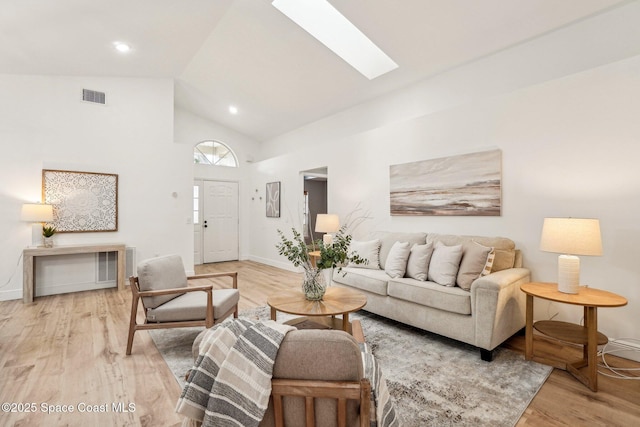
pixel 467 185
pixel 82 201
pixel 273 199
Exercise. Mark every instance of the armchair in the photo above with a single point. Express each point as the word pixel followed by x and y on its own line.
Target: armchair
pixel 318 380
pixel 169 302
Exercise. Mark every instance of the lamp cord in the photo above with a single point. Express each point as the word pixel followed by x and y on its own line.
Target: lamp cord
pixel 614 372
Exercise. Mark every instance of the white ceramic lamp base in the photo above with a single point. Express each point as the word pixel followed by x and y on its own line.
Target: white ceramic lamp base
pixel 36 234
pixel 327 239
pixel 568 274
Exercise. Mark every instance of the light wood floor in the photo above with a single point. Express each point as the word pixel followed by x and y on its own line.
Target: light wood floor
pixel 69 350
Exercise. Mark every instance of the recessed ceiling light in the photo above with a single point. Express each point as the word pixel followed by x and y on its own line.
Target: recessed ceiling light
pixel 320 19
pixel 233 109
pixel 122 47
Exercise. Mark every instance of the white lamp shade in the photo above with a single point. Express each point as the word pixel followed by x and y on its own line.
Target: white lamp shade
pixel 570 237
pixel 327 223
pixel 575 236
pixel 37 212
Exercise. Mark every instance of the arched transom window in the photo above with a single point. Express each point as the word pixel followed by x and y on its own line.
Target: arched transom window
pixel 214 153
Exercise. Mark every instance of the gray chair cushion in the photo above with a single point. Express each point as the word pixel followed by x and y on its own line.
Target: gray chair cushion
pixel 313 354
pixel 193 306
pixel 160 273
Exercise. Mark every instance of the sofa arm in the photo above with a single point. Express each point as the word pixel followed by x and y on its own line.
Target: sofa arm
pixel 498 306
pixel 501 279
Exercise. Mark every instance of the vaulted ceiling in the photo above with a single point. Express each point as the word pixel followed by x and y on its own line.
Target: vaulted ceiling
pixel 247 54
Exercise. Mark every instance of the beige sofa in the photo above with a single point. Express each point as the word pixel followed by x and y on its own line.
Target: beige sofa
pixel 484 316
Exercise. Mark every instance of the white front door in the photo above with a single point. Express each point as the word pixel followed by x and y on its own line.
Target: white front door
pixel 219 232
pixel 197 221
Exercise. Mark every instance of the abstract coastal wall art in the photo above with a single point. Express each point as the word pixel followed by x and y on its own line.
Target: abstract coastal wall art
pixel 82 201
pixel 465 185
pixel 273 199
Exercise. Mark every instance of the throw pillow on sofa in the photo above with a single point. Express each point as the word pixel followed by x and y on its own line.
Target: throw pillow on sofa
pixel 396 263
pixel 418 262
pixel 368 250
pixel 445 261
pixel 476 261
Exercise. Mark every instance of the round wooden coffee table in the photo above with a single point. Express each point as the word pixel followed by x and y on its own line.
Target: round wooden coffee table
pixel 336 301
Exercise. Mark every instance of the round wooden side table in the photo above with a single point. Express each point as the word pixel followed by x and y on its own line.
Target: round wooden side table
pixel 587 336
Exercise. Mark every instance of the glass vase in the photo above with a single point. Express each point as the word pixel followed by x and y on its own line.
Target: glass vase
pixel 48 241
pixel 314 285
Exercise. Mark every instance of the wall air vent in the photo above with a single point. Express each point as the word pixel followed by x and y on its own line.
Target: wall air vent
pixel 93 96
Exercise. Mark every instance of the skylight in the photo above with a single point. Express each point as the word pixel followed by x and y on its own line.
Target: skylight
pixel 320 19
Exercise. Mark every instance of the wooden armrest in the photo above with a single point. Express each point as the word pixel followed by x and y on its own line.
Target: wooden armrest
pixel 357 332
pixel 232 274
pixel 204 288
pixel 204 276
pixel 315 388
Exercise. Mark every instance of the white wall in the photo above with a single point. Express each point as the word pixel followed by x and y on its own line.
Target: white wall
pixel 568 130
pixel 44 125
pixel 190 130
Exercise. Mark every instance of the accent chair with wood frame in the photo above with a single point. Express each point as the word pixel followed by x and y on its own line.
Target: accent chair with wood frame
pixel 169 302
pixel 318 380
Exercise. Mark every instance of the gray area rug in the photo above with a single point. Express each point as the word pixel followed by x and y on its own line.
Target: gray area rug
pixel 433 380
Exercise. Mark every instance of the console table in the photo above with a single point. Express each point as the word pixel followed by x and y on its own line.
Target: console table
pixel 29 265
pixel 587 336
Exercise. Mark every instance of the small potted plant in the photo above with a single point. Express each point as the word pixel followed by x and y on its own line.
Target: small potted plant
pixel 47 233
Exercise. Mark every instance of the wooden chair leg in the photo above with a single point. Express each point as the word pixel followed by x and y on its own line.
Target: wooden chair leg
pixel 132 331
pixel 132 324
pixel 135 298
pixel 235 286
pixel 209 320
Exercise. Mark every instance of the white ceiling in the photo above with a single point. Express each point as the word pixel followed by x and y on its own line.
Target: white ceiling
pixel 246 53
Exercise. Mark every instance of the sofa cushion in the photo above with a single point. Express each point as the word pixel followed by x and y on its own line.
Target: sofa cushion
pixel 368 250
pixel 388 238
pixel 474 262
pixel 444 264
pixel 452 299
pixel 505 248
pixel 368 280
pixel 418 262
pixel 503 260
pixel 396 264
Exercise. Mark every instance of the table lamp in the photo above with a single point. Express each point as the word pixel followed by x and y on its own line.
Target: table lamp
pixel 329 224
pixel 570 237
pixel 38 214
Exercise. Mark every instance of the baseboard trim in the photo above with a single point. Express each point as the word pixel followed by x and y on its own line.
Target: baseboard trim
pixel 283 265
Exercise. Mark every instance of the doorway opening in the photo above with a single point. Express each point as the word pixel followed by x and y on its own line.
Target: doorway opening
pixel 315 187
